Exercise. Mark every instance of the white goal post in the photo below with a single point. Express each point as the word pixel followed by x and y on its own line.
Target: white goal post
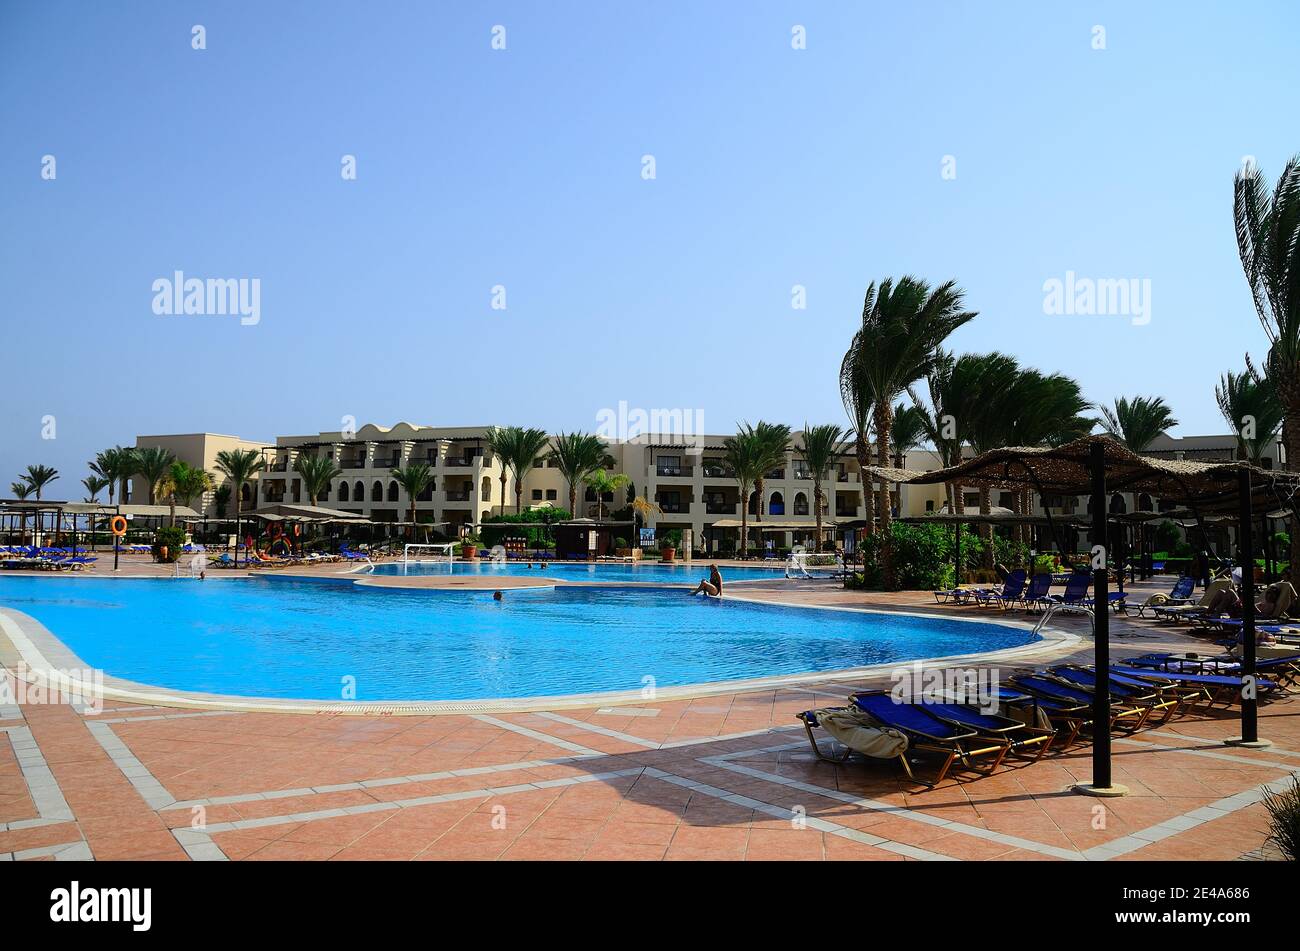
pixel 809 564
pixel 440 552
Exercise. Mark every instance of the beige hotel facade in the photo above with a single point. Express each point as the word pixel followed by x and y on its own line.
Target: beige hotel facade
pixel 687 478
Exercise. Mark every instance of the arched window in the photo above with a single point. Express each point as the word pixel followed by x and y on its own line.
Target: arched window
pixel 377 491
pixel 776 505
pixel 392 491
pixel 753 503
pixel 486 492
pixel 343 491
pixel 1117 504
pixel 1144 503
pixel 245 493
pixel 487 514
pixel 800 504
pixel 358 492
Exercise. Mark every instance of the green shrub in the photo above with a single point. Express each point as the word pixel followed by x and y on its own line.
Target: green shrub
pixel 1168 535
pixel 173 538
pixel 923 556
pixel 1284 819
pixel 1281 542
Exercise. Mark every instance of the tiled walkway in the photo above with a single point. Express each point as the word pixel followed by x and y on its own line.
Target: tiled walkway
pixel 722 777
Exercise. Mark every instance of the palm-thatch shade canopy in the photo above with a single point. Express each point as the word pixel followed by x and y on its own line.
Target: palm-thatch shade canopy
pixel 1064 470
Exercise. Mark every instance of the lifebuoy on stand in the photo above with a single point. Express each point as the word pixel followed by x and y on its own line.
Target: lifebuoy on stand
pixel 117 525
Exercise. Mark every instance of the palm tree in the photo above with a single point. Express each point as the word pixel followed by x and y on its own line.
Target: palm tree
pixel 152 465
pixel 909 433
pixel 772 441
pixel 186 483
pixel 415 478
pixel 1251 409
pixel 221 498
pixel 1268 240
pixel 858 406
pixel 116 465
pixel 38 477
pixel 577 455
pixel 742 454
pixel 20 492
pixel 528 451
pixel 519 450
pixel 600 481
pixel 239 465
pixel 903 328
pixel 819 447
pixel 94 485
pixel 317 473
pixel 1137 422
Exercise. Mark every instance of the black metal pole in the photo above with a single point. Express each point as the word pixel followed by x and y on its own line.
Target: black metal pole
pixel 1101 778
pixel 957 561
pixel 1249 706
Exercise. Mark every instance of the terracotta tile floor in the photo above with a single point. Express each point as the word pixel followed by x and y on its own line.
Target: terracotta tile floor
pixel 586 784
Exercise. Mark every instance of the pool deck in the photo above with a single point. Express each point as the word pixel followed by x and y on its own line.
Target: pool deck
pixel 725 776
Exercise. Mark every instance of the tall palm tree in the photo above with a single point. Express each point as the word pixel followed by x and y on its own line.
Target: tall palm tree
pixel 221 498
pixel 1137 422
pixel 184 483
pixel 38 477
pixel 317 472
pixel 239 466
pixel 909 433
pixel 94 485
pixel 772 441
pixel 577 455
pixel 20 491
pixel 601 482
pixel 415 478
pixel 1268 241
pixel 116 465
pixel 904 324
pixel 152 465
pixel 520 450
pixel 819 446
pixel 1251 409
pixel 743 455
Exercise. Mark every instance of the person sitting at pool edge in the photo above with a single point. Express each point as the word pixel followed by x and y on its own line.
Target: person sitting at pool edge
pixel 712 587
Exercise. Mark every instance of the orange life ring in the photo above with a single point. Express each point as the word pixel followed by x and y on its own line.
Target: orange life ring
pixel 297 529
pixel 118 525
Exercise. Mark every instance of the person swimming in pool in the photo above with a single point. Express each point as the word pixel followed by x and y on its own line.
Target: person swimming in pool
pixel 497 595
pixel 713 587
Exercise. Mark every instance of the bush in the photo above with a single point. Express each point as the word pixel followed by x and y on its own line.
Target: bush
pixel 923 556
pixel 1168 536
pixel 1281 542
pixel 171 537
pixel 1284 819
pixel 1181 549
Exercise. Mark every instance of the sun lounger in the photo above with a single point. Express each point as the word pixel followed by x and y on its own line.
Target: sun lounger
pixel 1214 688
pixel 1021 737
pixel 1125 691
pixel 928 732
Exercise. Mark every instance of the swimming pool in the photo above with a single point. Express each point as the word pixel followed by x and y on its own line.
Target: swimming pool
pixel 620 572
pixel 265 637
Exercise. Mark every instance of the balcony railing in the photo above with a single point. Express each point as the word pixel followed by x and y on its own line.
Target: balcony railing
pixel 352 463
pixel 674 470
pixel 458 495
pixel 720 508
pixel 802 473
pixel 775 474
pixel 713 471
pixel 674 507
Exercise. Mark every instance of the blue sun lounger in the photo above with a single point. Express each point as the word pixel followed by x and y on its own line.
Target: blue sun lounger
pixel 1215 688
pixel 925 731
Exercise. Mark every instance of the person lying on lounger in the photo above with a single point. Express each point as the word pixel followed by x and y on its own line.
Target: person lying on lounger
pixel 712 587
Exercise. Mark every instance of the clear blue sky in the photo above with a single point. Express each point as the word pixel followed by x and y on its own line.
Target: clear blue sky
pixel 475 167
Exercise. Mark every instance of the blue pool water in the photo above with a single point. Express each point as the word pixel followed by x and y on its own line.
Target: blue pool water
pixel 581 571
pixel 300 639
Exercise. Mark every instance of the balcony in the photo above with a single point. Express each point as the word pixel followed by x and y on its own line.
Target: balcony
pixel 459 495
pixel 674 471
pixel 352 463
pixel 717 471
pixel 280 465
pixel 801 472
pixel 775 474
pixel 673 507
pixel 721 508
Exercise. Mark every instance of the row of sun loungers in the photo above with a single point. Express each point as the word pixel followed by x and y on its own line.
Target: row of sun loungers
pixel 1051 709
pixel 1031 592
pixel 27 557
